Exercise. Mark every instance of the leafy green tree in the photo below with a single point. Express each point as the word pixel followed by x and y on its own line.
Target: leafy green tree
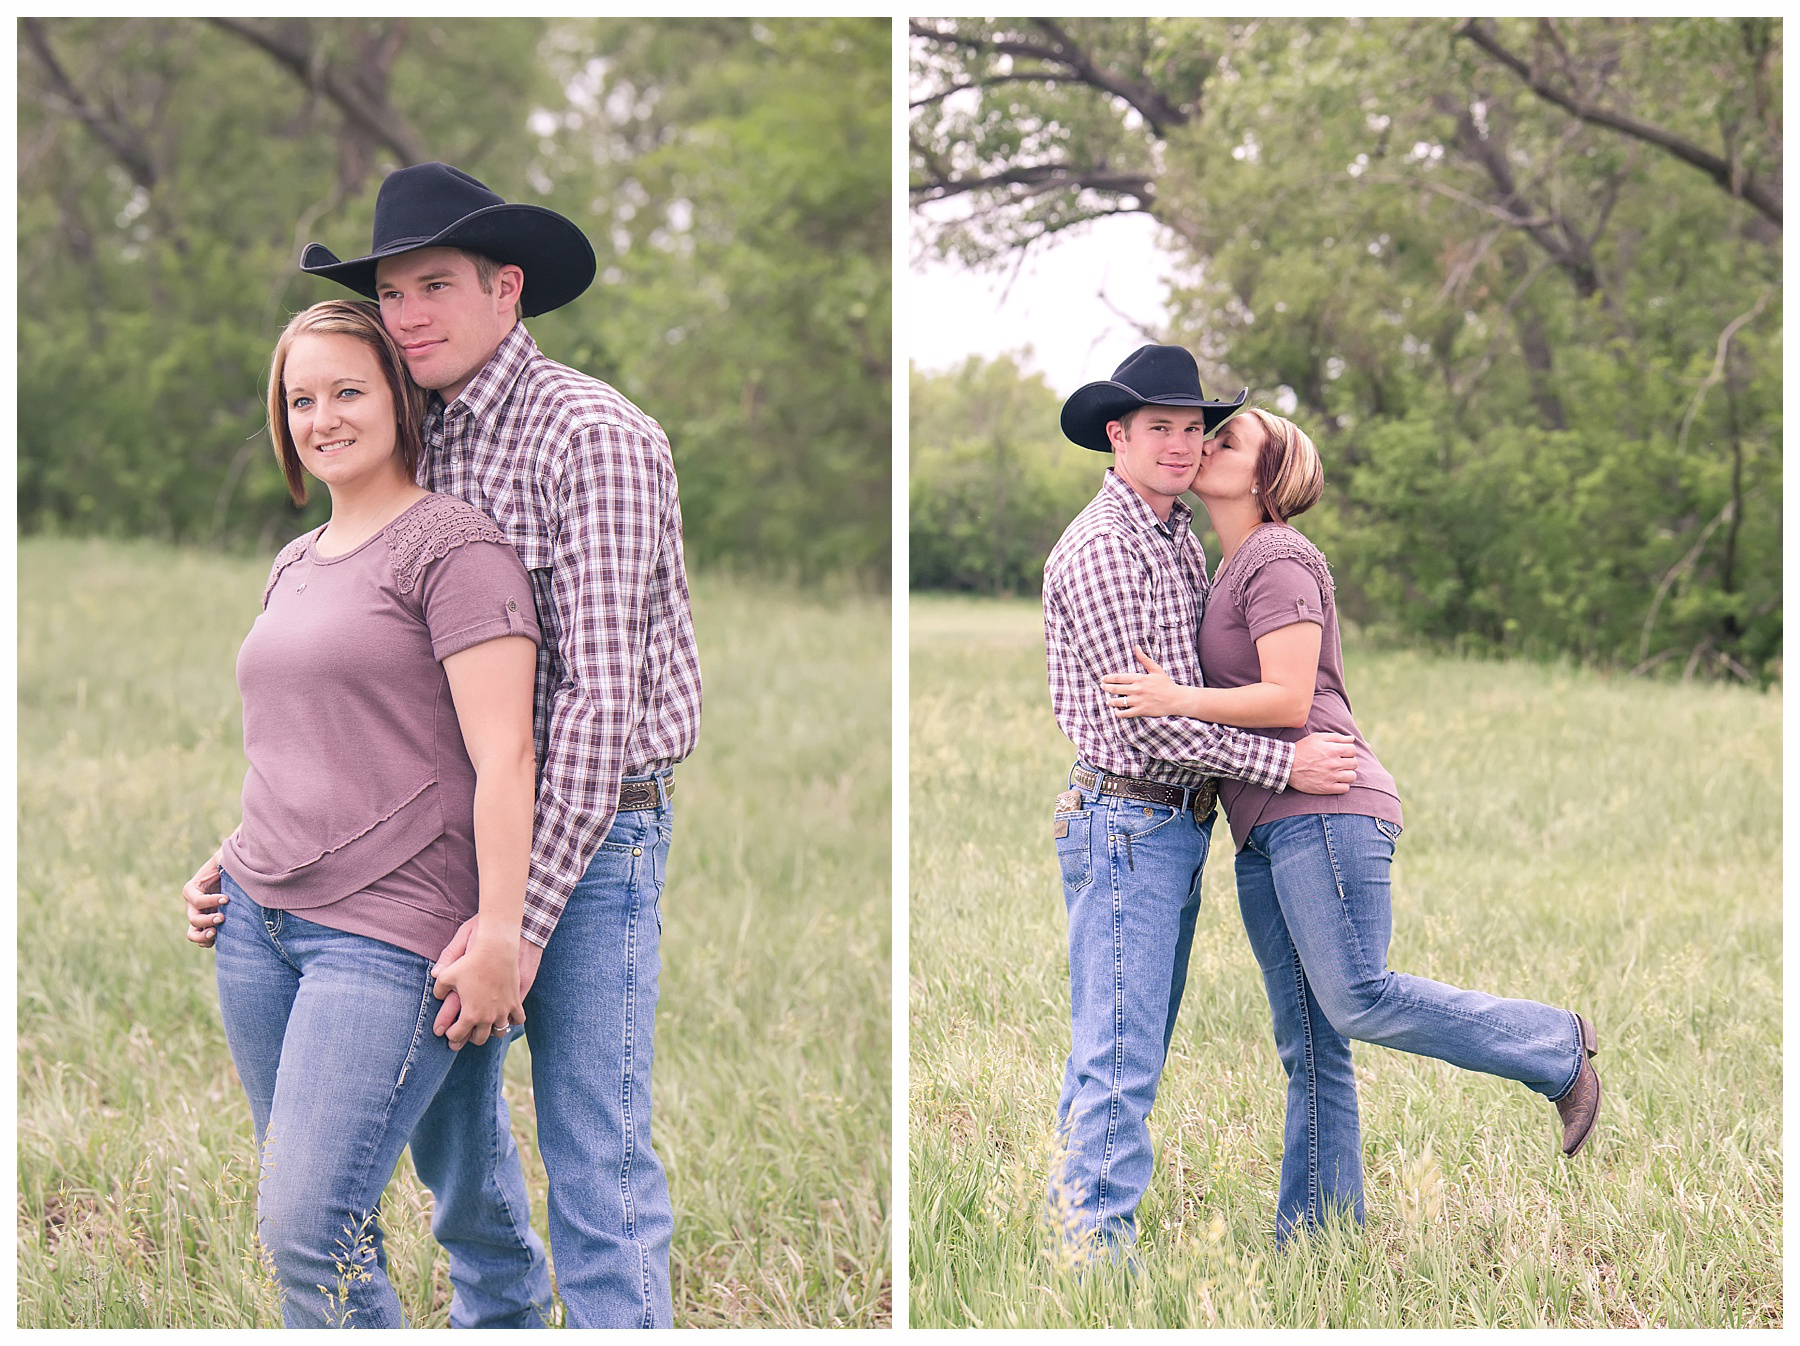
pixel 748 294
pixel 1521 279
pixel 993 482
pixel 733 176
pixel 169 172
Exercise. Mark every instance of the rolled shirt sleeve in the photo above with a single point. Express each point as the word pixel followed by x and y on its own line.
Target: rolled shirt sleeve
pixel 1282 593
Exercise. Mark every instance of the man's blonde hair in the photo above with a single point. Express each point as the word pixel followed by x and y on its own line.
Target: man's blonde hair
pixel 486 269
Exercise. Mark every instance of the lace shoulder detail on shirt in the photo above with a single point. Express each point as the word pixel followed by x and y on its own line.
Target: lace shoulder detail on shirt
pixel 430 530
pixel 285 558
pixel 1277 542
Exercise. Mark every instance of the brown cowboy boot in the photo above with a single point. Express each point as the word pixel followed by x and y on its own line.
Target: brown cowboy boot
pixel 1581 1104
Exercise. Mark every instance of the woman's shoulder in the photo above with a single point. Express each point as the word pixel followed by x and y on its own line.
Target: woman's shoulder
pixel 430 530
pixel 1276 542
pixel 287 556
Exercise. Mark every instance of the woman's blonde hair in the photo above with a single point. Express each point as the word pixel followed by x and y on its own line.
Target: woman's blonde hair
pixel 351 318
pixel 1289 476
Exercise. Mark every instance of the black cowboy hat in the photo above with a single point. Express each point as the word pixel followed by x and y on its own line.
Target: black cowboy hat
pixel 1164 376
pixel 437 206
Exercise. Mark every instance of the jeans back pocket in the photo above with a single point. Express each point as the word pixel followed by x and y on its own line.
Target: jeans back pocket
pixel 1073 852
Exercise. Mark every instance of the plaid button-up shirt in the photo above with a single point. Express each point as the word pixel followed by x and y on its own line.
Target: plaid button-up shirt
pixel 1118 578
pixel 583 485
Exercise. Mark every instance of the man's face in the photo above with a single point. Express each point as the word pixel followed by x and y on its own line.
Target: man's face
pixel 448 327
pixel 1158 452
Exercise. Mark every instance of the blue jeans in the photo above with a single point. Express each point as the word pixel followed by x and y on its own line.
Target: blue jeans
pixel 331 1036
pixel 1131 880
pixel 590 1020
pixel 1314 893
pixel 499 1273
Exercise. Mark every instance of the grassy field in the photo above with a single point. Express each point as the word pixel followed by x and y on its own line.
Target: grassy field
pixel 773 1078
pixel 1609 844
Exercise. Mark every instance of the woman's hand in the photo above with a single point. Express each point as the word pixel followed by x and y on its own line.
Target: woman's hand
pixel 204 896
pixel 1136 695
pixel 485 979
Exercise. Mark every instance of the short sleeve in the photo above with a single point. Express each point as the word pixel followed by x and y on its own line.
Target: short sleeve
pixel 1281 593
pixel 476 592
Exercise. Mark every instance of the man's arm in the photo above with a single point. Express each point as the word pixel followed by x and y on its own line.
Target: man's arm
pixel 614 496
pixel 1106 597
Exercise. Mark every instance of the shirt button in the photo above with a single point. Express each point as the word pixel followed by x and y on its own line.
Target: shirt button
pixel 512 605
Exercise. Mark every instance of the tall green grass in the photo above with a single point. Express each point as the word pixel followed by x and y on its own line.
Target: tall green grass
pixel 772 1090
pixel 1607 844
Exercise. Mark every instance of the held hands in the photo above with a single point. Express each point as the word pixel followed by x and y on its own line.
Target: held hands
pixel 1136 695
pixel 482 980
pixel 204 897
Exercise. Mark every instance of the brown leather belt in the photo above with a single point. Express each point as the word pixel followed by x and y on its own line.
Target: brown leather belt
pixel 643 794
pixel 1200 798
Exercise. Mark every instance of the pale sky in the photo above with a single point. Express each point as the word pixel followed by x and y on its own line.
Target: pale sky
pixel 1053 304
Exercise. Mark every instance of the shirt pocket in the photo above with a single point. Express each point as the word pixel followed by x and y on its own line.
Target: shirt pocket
pixel 1173 629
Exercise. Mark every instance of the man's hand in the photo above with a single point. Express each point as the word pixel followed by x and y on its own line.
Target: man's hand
pixel 1324 764
pixel 530 955
pixel 204 898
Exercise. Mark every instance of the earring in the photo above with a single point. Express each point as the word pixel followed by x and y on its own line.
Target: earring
pixel 1253 490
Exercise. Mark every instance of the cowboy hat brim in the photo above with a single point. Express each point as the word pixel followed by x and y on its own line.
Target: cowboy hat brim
pixel 555 256
pixel 1089 408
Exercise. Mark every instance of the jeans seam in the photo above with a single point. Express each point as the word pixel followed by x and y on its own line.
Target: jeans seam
pixel 1313 1201
pixel 370 1219
pixel 626 1055
pixel 1353 938
pixel 1116 1083
pixel 271 931
pixel 489 1178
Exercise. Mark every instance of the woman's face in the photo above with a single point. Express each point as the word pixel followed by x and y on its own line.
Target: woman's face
pixel 1228 465
pixel 339 410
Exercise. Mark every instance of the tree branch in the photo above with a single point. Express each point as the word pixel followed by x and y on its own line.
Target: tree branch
pixel 1158 112
pixel 991 81
pixel 1061 50
pixel 109 126
pixel 367 109
pixel 1717 373
pixel 1728 175
pixel 1040 177
pixel 1500 213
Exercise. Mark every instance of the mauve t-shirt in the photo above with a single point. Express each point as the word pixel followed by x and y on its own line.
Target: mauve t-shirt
pixel 359 804
pixel 1276 578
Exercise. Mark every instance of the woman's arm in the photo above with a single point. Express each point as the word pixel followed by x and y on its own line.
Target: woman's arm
pixel 1289 659
pixel 491 685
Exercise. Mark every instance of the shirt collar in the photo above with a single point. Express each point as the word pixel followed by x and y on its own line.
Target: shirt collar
pixel 494 381
pixel 1138 512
